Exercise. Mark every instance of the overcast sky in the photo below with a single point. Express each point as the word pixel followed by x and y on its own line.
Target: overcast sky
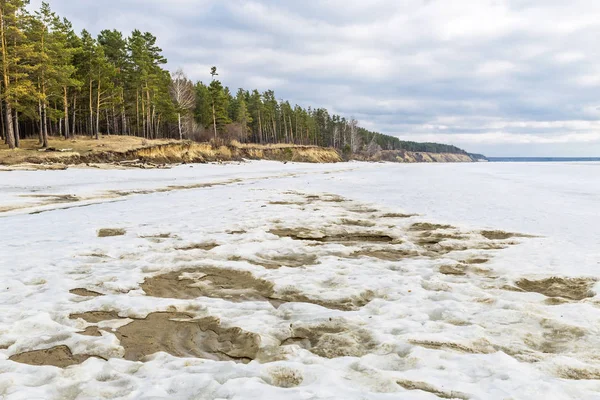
pixel 501 77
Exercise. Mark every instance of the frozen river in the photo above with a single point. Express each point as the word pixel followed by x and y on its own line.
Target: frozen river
pixel 267 281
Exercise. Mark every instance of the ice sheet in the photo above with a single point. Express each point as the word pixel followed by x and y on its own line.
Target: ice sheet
pixel 420 334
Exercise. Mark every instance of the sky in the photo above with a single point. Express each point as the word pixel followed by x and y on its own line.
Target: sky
pixel 498 77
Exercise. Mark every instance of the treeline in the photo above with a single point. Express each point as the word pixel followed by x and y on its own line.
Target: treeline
pixel 56 82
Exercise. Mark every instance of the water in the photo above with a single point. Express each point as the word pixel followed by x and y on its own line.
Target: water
pixel 543 159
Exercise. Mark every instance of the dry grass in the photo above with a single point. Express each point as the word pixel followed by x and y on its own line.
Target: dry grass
pixel 130 148
pixel 80 146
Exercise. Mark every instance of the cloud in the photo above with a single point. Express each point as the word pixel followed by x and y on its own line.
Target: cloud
pixel 499 76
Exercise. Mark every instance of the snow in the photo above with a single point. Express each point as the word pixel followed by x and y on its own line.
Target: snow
pixel 450 335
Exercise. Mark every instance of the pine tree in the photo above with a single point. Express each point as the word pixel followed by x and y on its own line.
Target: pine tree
pixel 242 115
pixel 11 45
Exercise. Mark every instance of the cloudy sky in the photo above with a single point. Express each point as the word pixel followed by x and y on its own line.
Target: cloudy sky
pixel 501 77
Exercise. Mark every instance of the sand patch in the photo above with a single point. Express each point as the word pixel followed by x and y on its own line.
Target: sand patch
pixel 332 339
pixel 236 286
pixel 356 222
pixel 398 215
pixel 288 260
pixel 457 270
pixel 182 336
pixel 326 198
pixel 198 246
pixel 389 254
pixel 426 387
pixel 426 226
pixel 344 304
pixel 212 282
pixel 480 346
pixel 52 198
pixel 475 261
pixel 158 238
pixel 85 292
pixel 345 237
pixel 363 210
pixel 108 232
pixel 94 317
pixel 91 331
pixel 569 288
pixel 578 374
pixel 501 235
pixel 287 203
pixel 284 377
pixel 557 337
pixel 435 237
pixel 59 356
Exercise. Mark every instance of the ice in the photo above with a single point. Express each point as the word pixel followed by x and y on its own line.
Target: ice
pixel 357 304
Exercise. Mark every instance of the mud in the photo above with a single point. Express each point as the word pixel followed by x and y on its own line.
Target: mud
pixel 332 339
pixel 212 282
pixel 85 292
pixel 94 317
pixel 568 288
pixel 108 232
pixel 182 336
pixel 426 387
pixel 59 356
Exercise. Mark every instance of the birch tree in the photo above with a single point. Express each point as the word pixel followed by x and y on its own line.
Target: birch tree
pixel 183 95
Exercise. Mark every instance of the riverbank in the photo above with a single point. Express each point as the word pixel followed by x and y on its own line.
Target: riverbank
pixel 135 152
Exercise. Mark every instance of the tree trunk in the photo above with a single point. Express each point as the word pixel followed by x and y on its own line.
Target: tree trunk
pixel 260 132
pixel 10 138
pixel 115 121
pixel 45 127
pixel 98 112
pixel 287 136
pixel 179 125
pixel 123 120
pixel 66 105
pixel 41 130
pixel 137 112
pixel 91 126
pixel 74 114
pixel 17 131
pixel 214 120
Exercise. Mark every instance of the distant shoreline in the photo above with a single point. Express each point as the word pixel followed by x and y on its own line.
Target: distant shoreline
pixel 544 159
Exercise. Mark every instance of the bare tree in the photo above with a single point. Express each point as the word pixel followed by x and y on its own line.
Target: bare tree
pixel 355 141
pixel 184 97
